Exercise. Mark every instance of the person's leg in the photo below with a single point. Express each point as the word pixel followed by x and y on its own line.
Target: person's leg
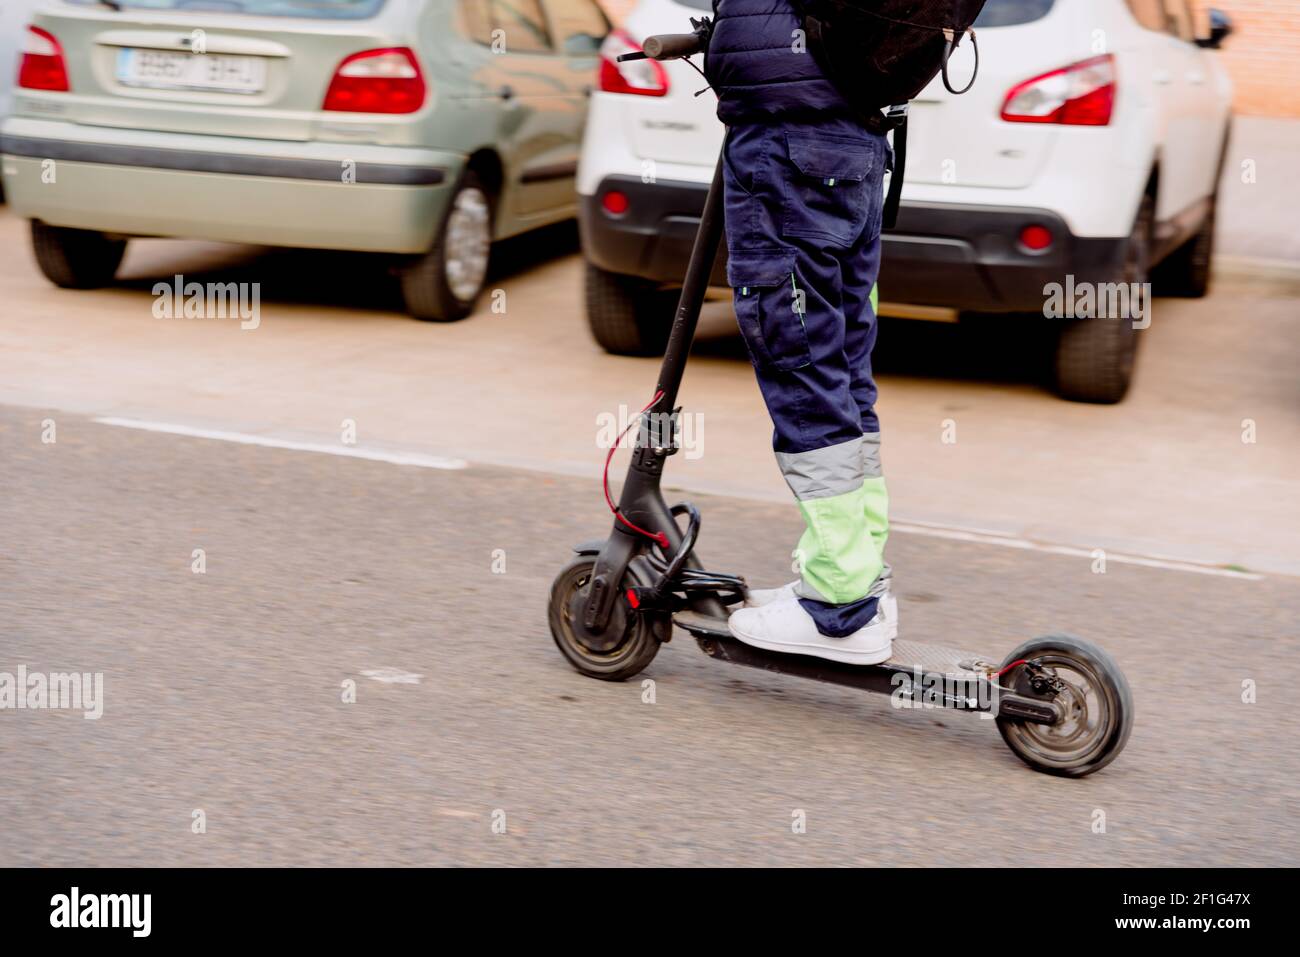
pixel 860 270
pixel 797 202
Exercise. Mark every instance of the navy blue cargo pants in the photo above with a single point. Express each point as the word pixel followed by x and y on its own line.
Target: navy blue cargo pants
pixel 803 211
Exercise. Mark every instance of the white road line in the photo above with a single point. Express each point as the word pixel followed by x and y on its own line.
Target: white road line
pixel 952 533
pixel 1010 541
pixel 392 676
pixel 245 438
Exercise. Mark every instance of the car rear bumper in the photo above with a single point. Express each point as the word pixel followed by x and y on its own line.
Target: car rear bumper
pixel 653 239
pixel 955 256
pixel 135 182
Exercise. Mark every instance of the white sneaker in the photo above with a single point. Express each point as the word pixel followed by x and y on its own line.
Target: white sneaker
pixel 783 625
pixel 757 597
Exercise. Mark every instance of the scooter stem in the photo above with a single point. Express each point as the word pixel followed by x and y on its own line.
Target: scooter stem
pixel 698 272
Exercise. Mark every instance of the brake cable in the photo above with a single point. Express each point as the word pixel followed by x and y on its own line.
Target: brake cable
pixel 658 537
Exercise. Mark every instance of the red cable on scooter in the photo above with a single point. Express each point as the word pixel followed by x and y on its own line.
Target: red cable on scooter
pixel 1018 661
pixel 659 537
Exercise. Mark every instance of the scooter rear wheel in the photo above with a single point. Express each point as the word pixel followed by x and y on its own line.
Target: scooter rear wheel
pixel 1094 698
pixel 629 641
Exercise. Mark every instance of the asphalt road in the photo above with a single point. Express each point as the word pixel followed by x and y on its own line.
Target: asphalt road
pixel 223 690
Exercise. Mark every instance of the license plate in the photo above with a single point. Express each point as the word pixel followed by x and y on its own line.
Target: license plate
pixel 173 70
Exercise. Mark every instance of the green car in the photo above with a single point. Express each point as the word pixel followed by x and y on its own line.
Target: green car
pixel 423 128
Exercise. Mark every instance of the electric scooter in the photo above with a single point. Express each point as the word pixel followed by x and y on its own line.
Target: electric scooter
pixel 1060 703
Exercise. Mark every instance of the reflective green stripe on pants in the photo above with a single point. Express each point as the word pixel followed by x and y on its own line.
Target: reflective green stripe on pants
pixel 840 554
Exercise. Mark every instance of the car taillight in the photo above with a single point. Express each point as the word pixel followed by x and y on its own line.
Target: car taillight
pixel 643 77
pixel 377 81
pixel 1036 238
pixel 1081 94
pixel 615 202
pixel 42 66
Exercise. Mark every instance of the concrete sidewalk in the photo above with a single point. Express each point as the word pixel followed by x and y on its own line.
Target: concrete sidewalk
pixel 1259 196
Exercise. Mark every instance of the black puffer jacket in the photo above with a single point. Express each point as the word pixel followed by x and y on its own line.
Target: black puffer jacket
pixel 760 66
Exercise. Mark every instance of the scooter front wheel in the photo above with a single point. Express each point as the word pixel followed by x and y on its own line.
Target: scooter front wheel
pixel 1091 694
pixel 628 642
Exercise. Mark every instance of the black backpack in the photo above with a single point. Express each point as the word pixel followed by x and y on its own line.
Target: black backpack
pixel 881 53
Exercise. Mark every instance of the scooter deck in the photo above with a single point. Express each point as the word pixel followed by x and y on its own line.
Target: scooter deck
pixel 914 665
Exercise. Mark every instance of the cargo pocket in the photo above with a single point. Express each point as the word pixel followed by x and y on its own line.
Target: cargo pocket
pixel 827 193
pixel 770 307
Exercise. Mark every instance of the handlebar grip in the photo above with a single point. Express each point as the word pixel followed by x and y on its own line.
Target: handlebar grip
pixel 672 46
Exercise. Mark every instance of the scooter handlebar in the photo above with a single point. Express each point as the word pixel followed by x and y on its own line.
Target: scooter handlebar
pixel 668 46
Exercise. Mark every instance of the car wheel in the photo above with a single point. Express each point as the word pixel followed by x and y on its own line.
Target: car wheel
pixel 444 283
pixel 1095 356
pixel 628 316
pixel 1186 271
pixel 76 258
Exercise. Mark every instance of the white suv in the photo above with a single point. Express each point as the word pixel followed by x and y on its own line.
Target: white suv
pixel 1088 151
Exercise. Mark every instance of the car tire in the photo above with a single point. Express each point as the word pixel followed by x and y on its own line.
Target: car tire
pixel 628 316
pixel 1186 271
pixel 444 284
pixel 1095 356
pixel 76 258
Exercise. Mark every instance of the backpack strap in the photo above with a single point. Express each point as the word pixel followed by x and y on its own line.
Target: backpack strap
pixel 953 39
pixel 895 118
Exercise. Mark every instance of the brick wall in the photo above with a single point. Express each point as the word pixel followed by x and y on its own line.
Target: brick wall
pixel 1262 55
pixel 617 9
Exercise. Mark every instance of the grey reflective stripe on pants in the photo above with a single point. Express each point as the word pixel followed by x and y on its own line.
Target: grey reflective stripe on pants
pixel 871 455
pixel 822 473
